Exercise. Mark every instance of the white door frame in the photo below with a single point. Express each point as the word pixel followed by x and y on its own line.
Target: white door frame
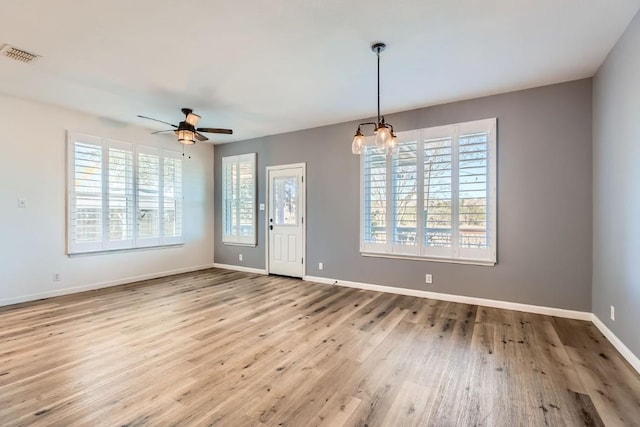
pixel 303 213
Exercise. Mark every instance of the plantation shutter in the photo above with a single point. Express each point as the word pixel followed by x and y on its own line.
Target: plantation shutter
pixel 119 195
pixel 246 199
pixel 85 216
pixel 405 195
pixel 172 198
pixel 238 199
pixel 148 196
pixel 439 197
pixel 476 190
pixel 374 201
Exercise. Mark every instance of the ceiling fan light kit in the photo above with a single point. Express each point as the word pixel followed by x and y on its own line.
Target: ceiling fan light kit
pixel 191 118
pixel 186 130
pixel 186 137
pixel 385 136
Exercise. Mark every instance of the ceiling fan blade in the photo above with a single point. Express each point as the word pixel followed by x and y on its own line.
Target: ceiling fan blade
pixel 215 130
pixel 156 120
pixel 201 137
pixel 161 131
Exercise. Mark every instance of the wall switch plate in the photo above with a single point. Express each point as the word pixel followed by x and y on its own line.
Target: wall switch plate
pixel 22 203
pixel 261 206
pixel 613 313
pixel 428 278
pixel 56 277
pixel 320 266
pixel 240 257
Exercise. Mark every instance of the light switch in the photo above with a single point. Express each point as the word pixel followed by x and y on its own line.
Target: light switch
pixel 22 203
pixel 261 206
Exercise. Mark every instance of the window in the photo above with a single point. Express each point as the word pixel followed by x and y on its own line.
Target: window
pixel 238 199
pixel 122 196
pixel 436 198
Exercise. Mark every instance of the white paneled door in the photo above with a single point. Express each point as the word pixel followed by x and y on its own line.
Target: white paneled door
pixel 285 220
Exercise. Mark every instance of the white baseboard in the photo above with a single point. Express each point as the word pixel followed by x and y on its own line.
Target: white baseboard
pixel 240 268
pixel 549 311
pixel 100 285
pixel 615 341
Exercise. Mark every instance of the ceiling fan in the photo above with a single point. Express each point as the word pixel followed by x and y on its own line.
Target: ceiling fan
pixel 186 130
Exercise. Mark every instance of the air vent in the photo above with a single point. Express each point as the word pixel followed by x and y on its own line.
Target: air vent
pixel 18 54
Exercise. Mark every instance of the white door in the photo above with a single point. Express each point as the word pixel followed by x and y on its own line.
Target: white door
pixel 285 220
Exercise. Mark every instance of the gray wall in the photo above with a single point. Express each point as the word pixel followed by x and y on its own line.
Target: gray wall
pixel 544 200
pixel 616 188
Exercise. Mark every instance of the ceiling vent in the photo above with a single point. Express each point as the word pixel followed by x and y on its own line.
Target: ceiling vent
pixel 18 54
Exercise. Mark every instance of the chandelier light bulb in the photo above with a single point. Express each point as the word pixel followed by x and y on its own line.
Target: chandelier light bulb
pixel 383 135
pixel 392 145
pixel 358 144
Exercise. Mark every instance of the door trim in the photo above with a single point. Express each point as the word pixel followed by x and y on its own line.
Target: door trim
pixel 303 205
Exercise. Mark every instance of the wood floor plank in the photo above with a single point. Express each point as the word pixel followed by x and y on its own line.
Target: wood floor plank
pixel 218 347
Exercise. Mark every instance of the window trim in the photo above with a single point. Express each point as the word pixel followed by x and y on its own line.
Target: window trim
pixel 232 239
pixel 454 255
pixel 135 243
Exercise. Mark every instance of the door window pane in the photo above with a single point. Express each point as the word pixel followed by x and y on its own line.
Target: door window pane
pixel 285 200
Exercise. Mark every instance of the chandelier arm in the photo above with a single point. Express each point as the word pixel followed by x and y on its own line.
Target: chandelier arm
pixel 368 123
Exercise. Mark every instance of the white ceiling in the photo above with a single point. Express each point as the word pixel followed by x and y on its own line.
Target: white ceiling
pixel 267 67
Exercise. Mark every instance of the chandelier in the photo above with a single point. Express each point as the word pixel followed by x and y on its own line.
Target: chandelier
pixel 385 137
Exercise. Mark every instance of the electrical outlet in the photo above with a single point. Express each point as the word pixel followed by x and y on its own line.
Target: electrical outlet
pixel 240 257
pixel 428 278
pixel 613 313
pixel 320 266
pixel 56 277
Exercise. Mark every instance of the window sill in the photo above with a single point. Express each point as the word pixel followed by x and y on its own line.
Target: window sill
pixel 113 251
pixel 249 245
pixel 485 263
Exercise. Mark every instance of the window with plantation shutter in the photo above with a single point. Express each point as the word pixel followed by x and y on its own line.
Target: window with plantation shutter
pixel 121 195
pixel 238 199
pixel 440 190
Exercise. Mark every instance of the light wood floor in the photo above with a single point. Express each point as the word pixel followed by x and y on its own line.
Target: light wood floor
pixel 225 348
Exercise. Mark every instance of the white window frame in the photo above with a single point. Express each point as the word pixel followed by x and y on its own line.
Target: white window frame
pixel 236 239
pixel 419 251
pixel 105 245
